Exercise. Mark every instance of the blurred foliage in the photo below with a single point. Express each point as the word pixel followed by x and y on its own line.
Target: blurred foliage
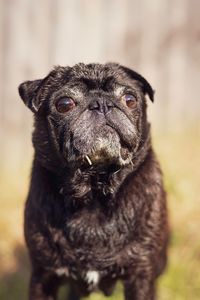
pixel 180 158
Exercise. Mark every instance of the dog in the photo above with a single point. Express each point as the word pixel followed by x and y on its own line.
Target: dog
pixel 96 210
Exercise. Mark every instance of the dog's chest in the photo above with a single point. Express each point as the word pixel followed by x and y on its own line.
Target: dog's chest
pixel 91 246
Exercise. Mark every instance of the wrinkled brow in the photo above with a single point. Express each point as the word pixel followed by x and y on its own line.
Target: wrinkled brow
pixel 106 84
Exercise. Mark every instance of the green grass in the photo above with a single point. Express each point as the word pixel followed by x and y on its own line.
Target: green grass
pixel 181 281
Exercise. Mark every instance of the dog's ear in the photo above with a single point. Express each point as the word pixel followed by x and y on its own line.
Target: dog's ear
pixel 146 87
pixel 28 91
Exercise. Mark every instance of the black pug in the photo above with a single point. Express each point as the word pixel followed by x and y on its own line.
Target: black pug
pixel 96 209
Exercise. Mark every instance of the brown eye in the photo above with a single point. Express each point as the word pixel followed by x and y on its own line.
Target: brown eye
pixel 130 100
pixel 64 104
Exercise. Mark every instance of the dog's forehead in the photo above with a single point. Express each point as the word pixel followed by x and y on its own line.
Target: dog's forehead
pixel 108 77
pixel 94 71
pixel 92 76
pixel 83 78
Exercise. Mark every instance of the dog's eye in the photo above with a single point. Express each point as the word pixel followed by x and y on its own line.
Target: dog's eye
pixel 64 104
pixel 130 100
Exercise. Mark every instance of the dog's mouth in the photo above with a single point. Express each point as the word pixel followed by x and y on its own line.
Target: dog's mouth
pixel 101 156
pixel 100 146
pixel 100 159
pixel 101 152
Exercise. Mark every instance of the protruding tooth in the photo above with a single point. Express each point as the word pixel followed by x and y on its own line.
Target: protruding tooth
pixel 89 160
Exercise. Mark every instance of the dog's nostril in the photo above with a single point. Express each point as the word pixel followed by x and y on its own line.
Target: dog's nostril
pixel 101 105
pixel 96 105
pixel 109 105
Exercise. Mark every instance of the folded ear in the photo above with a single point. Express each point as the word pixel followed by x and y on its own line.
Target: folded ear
pixel 28 91
pixel 146 87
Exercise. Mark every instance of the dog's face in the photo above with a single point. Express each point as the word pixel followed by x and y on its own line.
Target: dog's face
pixel 92 114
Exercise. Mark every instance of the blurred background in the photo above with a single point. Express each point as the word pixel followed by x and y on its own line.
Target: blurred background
pixel 160 40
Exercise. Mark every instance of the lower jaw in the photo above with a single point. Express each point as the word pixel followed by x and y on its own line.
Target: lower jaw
pixel 111 164
pixel 102 160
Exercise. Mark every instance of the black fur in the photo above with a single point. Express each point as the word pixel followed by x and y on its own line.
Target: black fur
pixel 96 206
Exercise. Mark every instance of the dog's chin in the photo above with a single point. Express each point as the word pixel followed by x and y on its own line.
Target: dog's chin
pixel 106 158
pixel 99 160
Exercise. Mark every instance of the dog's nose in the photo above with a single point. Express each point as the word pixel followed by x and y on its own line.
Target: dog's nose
pixel 102 106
